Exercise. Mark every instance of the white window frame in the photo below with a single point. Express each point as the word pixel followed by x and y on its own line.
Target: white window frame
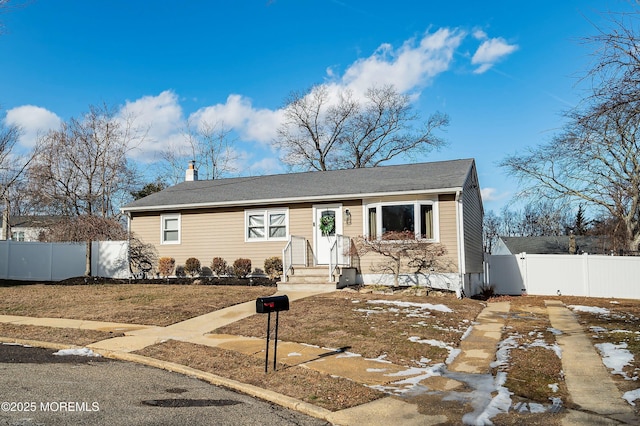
pixel 416 217
pixel 170 216
pixel 266 213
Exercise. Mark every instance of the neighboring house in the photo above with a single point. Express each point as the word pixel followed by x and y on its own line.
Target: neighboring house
pixel 26 228
pixel 551 245
pixel 280 215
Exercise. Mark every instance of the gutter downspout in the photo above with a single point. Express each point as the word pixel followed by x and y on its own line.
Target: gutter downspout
pixel 460 232
pixel 128 214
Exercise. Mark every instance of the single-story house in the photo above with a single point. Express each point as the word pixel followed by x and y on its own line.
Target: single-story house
pixel 258 217
pixel 559 244
pixel 25 228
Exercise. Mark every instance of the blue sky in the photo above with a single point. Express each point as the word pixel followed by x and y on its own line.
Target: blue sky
pixel 504 71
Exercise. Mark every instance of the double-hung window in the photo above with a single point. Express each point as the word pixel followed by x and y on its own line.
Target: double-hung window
pixel 267 225
pixel 416 219
pixel 170 232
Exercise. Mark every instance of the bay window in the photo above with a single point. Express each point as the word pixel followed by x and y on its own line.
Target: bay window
pixel 414 218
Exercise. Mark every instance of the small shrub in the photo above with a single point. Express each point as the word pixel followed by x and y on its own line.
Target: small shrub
pixel 206 272
pixel 165 266
pixel 180 273
pixel 487 291
pixel 192 266
pixel 241 267
pixel 273 267
pixel 219 266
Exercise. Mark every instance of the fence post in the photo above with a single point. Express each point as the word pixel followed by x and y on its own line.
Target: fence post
pixel 585 275
pixel 522 262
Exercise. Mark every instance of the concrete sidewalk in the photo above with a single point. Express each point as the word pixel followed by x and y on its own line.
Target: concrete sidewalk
pixel 588 380
pixel 478 351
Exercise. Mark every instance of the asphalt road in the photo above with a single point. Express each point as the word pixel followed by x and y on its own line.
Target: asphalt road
pixel 38 388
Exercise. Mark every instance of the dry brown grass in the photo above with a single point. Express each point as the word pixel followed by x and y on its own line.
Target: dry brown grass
pixel 354 321
pixel 67 336
pixel 147 304
pixel 534 366
pixel 325 391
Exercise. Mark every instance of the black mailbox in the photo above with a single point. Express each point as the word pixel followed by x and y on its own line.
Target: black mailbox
pixel 272 304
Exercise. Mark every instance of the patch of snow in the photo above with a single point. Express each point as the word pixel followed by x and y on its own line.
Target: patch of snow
pixel 294 354
pixel 554 347
pixel 615 357
pixel 423 362
pixel 554 331
pixel 467 332
pixel 428 306
pixel 502 354
pixel 631 396
pixel 16 344
pixel 376 370
pixel 590 309
pixel 78 352
pixel 597 329
pixel 453 353
pixel 368 311
pixel 485 405
pixel 536 408
pixel 554 387
pixel 347 355
pixel 381 358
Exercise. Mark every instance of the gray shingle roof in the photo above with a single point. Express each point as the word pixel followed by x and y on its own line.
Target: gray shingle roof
pixel 556 244
pixel 298 187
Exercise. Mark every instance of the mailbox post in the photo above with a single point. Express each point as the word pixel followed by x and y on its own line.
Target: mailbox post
pixel 266 305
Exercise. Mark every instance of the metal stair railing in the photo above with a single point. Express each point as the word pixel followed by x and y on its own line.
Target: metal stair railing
pixel 339 254
pixel 294 253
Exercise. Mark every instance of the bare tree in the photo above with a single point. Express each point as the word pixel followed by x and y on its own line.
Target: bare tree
pixel 401 251
pixel 12 168
pixel 8 171
pixel 490 231
pixel 596 158
pixel 82 168
pixel 210 145
pixel 324 130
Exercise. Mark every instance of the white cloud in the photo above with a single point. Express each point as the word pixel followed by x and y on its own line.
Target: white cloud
pixel 160 117
pixel 488 194
pixel 238 113
pixel 490 52
pixel 479 35
pixel 409 67
pixel 33 121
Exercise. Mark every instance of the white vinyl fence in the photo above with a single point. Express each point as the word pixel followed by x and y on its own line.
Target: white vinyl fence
pixel 569 275
pixel 57 261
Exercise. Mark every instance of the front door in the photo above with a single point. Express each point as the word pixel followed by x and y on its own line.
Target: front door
pixel 327 222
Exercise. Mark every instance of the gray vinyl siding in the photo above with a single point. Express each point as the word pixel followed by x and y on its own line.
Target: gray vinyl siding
pixel 472 212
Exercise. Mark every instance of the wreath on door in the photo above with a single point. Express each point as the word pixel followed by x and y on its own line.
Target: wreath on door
pixel 327 225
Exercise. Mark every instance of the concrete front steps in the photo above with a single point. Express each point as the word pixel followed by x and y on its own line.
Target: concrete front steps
pixel 308 278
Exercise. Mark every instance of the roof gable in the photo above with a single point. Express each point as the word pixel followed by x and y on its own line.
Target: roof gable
pixel 298 187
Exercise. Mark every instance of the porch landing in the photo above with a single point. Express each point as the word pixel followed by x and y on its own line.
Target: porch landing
pixel 309 278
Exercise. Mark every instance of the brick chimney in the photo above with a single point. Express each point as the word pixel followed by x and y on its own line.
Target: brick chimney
pixel 192 172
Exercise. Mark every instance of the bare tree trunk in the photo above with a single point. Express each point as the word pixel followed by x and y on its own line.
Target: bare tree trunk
pixel 87 271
